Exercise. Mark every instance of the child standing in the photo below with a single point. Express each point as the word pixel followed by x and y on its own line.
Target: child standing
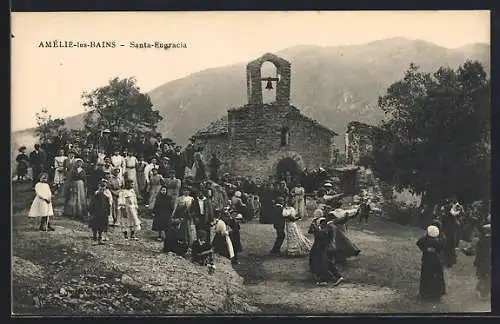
pixel 42 204
pixel 127 202
pixel 99 210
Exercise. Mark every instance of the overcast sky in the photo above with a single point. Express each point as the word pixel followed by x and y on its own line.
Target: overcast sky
pixel 55 77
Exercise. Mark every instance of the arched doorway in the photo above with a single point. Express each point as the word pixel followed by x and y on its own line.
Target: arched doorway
pixel 288 170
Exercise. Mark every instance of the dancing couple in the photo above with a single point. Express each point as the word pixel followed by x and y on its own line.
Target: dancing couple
pixel 284 217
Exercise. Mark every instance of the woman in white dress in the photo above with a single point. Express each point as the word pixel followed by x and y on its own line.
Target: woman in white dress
pixel 117 161
pixel 296 243
pixel 129 220
pixel 59 174
pixel 299 200
pixel 130 170
pixel 42 204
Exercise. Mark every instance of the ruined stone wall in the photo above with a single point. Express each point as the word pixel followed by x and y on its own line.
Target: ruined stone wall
pixel 361 141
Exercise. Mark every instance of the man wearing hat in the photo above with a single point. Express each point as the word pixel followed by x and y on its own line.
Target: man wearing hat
pixel 37 160
pixel 278 222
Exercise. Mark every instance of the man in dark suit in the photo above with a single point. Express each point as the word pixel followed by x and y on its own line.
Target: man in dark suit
pixel 203 212
pixel 279 225
pixel 37 161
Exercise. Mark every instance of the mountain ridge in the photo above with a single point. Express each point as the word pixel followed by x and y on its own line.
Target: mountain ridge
pixel 331 84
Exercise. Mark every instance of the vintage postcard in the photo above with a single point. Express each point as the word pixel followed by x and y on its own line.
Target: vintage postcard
pixel 293 163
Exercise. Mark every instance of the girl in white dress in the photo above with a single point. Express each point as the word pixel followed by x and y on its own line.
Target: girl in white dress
pixel 127 202
pixel 296 243
pixel 42 204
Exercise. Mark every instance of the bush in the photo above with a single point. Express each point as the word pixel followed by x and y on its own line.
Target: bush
pixel 402 213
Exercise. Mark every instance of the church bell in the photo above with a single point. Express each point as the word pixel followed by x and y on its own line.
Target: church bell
pixel 269 85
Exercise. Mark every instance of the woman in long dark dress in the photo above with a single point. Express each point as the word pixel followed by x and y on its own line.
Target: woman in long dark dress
pixel 99 210
pixel 432 285
pixel 345 247
pixel 449 229
pixel 162 212
pixel 482 262
pixel 23 161
pixel 76 194
pixel 318 258
pixel 234 234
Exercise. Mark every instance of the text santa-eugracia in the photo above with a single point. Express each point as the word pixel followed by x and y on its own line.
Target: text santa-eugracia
pixel 110 44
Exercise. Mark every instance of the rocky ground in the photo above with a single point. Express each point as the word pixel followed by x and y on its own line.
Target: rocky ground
pixel 64 272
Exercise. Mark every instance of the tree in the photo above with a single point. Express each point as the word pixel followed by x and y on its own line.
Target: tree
pixel 436 139
pixel 120 107
pixel 48 128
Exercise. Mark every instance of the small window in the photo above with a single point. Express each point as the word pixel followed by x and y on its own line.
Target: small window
pixel 285 136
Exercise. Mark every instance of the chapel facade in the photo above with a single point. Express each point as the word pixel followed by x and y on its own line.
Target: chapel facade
pixel 267 139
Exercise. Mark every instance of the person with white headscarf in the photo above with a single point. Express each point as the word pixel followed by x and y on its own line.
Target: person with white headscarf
pixel 432 285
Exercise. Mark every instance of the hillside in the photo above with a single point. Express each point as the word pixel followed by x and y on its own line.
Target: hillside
pixel 333 85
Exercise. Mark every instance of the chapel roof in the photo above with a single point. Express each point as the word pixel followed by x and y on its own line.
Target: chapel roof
pixel 220 126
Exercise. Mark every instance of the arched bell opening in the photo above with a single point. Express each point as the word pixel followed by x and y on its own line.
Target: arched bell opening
pixel 269 82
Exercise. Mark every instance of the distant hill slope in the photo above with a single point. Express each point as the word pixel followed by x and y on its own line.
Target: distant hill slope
pixel 333 85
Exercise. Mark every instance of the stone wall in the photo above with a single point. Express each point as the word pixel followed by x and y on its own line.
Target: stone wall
pixel 360 139
pixel 255 140
pixel 218 145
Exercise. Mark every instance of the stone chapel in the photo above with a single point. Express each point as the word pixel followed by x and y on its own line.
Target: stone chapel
pixel 266 140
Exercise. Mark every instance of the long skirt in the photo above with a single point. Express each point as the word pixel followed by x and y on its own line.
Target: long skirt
pixel 22 169
pixel 300 206
pixel 161 220
pixel 99 223
pixel 223 245
pixel 319 263
pixel 141 182
pixel 296 243
pixel 449 252
pixel 129 219
pixel 188 230
pixel 59 177
pixel 131 174
pixel 153 191
pixel 432 284
pixel 345 247
pixel 76 200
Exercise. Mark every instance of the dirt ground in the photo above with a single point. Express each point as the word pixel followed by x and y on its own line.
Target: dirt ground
pixel 382 279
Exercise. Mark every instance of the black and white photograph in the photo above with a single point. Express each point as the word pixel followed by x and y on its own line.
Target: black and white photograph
pixel 250 162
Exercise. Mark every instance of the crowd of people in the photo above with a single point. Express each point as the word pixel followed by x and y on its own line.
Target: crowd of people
pixel 451 224
pixel 110 186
